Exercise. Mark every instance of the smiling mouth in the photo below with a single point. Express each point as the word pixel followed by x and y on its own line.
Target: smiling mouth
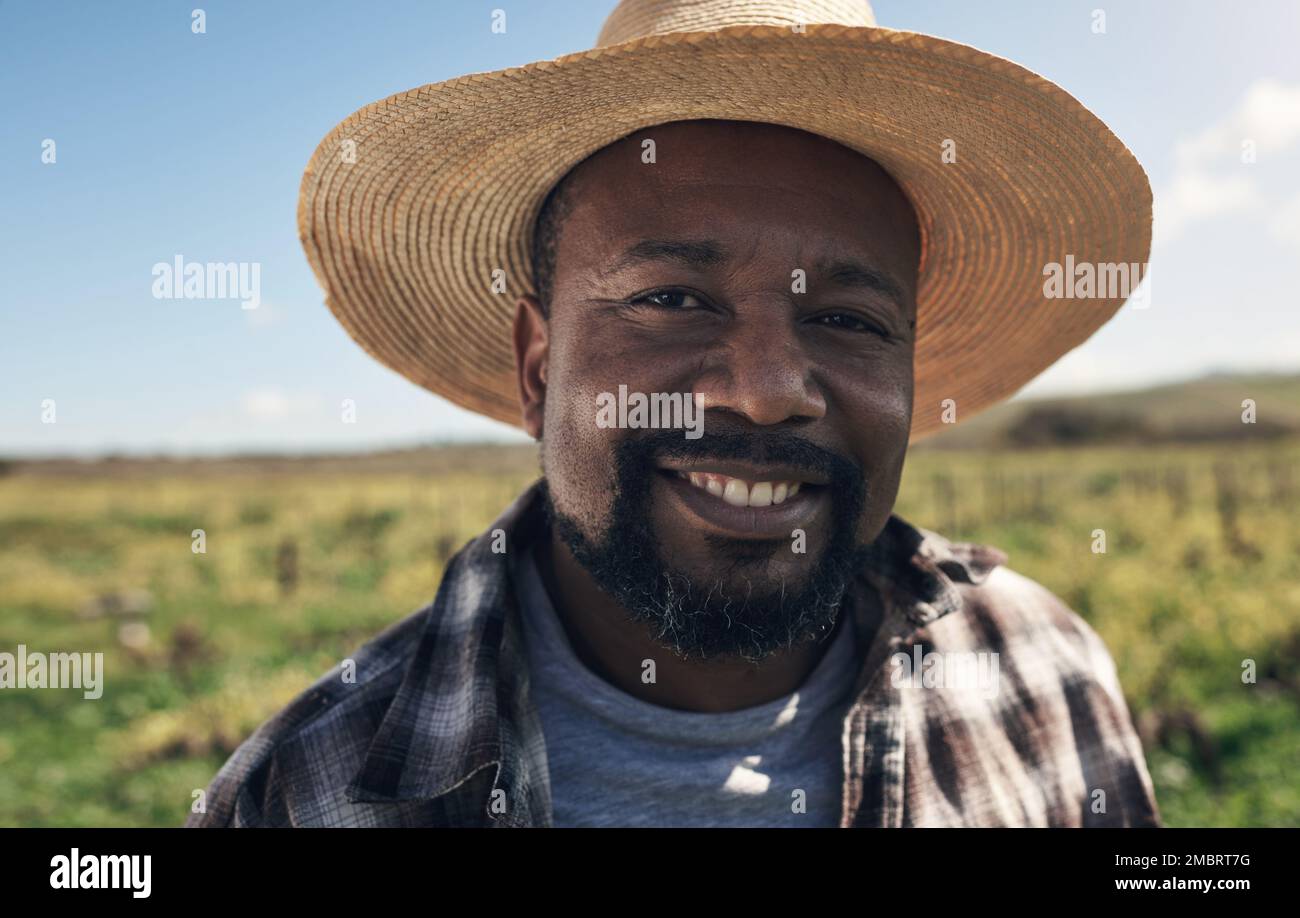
pixel 745 501
pixel 739 492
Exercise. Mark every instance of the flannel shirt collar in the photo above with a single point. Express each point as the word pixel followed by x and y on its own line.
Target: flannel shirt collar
pixel 419 752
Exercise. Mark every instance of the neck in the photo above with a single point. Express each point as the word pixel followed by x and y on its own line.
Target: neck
pixel 615 647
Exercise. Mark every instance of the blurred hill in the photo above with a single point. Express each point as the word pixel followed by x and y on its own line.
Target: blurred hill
pixel 1196 411
pixel 480 458
pixel 1202 410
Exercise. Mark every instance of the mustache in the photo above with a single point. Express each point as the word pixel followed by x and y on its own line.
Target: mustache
pixel 760 446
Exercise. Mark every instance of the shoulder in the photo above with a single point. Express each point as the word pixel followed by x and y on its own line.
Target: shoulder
pixel 1004 610
pixel 1058 699
pixel 296 767
pixel 970 584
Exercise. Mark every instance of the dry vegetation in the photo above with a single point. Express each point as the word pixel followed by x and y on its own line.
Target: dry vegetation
pixel 308 558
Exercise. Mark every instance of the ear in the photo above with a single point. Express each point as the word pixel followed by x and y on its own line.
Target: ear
pixel 532 352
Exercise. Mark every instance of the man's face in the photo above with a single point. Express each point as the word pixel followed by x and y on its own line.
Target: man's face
pixel 773 273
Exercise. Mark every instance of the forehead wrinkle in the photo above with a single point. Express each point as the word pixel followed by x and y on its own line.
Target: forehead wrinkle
pixel 691 253
pixel 704 254
pixel 843 268
pixel 852 272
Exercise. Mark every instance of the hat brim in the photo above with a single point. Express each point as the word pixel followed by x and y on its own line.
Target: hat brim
pixel 410 205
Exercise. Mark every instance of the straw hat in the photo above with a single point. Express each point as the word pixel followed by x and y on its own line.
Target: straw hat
pixel 415 205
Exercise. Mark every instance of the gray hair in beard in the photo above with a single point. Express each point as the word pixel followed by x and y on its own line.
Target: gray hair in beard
pixel 713 618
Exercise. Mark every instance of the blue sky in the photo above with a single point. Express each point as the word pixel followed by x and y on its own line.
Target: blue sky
pixel 170 142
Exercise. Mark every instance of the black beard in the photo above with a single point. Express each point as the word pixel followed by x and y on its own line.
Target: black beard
pixel 708 618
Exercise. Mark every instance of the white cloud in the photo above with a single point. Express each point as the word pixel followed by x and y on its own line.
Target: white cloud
pixel 1195 195
pixel 265 314
pixel 267 404
pixel 1285 225
pixel 1211 178
pixel 1269 115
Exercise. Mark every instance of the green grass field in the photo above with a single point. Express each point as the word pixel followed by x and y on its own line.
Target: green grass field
pixel 304 563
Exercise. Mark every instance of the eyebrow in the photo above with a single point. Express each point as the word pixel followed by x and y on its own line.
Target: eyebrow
pixel 849 273
pixel 692 253
pixel 708 253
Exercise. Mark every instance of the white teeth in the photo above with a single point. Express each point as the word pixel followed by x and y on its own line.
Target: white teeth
pixel 741 493
pixel 736 493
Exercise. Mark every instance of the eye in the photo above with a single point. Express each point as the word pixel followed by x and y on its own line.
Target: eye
pixel 850 322
pixel 668 299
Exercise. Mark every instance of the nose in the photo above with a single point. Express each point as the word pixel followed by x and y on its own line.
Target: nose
pixel 760 370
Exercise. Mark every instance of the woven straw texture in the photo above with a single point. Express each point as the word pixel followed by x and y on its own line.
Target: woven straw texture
pixel 445 182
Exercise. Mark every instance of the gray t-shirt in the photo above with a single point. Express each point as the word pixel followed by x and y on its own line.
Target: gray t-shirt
pixel 615 760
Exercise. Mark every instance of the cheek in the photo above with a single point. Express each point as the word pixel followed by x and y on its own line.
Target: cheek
pixel 881 427
pixel 586 363
pixel 577 455
pixel 876 404
pixel 884 478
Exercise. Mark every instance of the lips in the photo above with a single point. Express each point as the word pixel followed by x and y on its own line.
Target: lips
pixel 741 493
pixel 748 502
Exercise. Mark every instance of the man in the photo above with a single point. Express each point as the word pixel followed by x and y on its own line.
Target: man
pixel 721 624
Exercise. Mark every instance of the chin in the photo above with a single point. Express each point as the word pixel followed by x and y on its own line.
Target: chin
pixel 744 564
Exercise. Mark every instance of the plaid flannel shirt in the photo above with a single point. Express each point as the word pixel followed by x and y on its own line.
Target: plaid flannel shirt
pixel 437 728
